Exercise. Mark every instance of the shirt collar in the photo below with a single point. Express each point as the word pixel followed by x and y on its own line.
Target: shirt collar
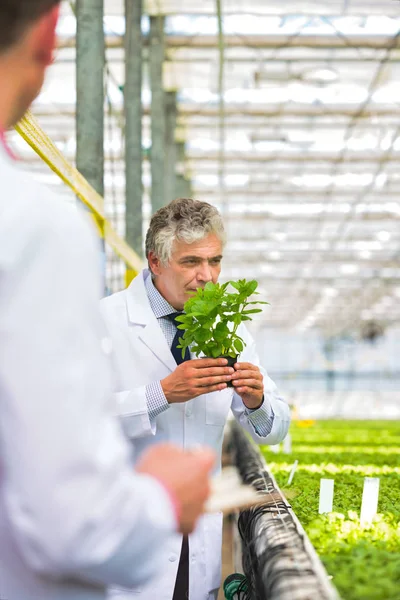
pixel 159 305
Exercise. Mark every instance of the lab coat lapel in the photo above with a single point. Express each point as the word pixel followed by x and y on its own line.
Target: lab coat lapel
pixel 141 314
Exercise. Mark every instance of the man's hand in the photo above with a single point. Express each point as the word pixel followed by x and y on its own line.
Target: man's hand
pixel 186 477
pixel 195 377
pixel 249 384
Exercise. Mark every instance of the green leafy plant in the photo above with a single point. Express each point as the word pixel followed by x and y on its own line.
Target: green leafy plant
pixel 213 315
pixel 364 560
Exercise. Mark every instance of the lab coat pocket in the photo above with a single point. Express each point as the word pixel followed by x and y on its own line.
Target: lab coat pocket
pixel 217 407
pixel 213 547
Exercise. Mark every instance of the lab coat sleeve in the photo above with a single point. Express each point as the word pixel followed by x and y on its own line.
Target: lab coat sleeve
pixel 75 505
pixel 137 409
pixel 274 404
pixel 137 406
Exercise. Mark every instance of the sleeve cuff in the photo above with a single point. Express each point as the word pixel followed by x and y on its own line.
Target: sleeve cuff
pixel 156 400
pixel 262 418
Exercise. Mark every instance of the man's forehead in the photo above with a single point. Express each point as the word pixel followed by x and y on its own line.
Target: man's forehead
pixel 209 247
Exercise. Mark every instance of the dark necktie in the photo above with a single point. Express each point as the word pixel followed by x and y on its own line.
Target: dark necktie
pixel 181 590
pixel 177 352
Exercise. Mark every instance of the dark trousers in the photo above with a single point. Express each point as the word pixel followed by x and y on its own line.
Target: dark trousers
pixel 181 591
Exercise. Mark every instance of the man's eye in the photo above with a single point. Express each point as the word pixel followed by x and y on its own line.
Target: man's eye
pixel 216 261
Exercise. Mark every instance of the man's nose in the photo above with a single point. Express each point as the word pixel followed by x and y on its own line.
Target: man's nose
pixel 204 273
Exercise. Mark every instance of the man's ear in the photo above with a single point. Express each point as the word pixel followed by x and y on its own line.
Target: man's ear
pixel 154 263
pixel 43 37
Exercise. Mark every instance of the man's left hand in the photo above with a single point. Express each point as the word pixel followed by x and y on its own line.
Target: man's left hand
pixel 248 382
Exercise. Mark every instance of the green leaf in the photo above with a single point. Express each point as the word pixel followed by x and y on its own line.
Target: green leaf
pixel 238 345
pixel 222 327
pixel 202 335
pixel 220 336
pixel 237 319
pixel 216 351
pixel 210 286
pixel 251 311
pixel 236 285
pixel 250 287
pixel 182 318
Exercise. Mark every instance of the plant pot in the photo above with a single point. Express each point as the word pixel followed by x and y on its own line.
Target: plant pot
pixel 231 362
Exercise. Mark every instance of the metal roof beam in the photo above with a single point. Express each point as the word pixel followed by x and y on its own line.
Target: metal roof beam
pixel 273 41
pixel 198 56
pixel 296 59
pixel 300 156
pixel 328 262
pixel 334 192
pixel 281 170
pixel 264 159
pixel 283 110
pixel 287 8
pixel 334 219
pixel 324 278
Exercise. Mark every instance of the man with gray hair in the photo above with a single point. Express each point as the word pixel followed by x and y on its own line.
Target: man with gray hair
pixel 162 397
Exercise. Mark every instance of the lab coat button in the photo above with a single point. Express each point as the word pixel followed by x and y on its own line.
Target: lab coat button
pixel 173 558
pixel 189 411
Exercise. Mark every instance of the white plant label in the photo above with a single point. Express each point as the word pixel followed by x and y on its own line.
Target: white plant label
pixel 369 503
pixel 326 496
pixel 292 472
pixel 287 444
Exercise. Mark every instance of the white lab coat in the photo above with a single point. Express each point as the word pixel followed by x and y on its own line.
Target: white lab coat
pixel 142 355
pixel 73 516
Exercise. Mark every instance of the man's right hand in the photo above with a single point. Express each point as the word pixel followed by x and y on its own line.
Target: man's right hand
pixel 185 475
pixel 195 377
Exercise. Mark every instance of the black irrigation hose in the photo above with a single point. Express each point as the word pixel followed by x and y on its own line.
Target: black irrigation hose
pixel 274 557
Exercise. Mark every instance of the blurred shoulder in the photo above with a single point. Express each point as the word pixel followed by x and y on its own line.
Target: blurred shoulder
pixel 33 211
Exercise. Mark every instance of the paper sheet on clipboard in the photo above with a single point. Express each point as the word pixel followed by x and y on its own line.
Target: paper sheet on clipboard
pixel 229 493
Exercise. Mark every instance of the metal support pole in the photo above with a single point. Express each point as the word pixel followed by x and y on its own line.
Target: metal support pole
pixel 170 145
pixel 158 120
pixel 133 124
pixel 183 185
pixel 90 63
pixel 221 91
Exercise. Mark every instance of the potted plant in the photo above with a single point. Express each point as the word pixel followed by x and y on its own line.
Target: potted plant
pixel 212 316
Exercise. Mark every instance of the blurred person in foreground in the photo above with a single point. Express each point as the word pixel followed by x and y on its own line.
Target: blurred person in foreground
pixel 162 398
pixel 74 517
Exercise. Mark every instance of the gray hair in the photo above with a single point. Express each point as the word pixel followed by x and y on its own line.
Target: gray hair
pixel 184 220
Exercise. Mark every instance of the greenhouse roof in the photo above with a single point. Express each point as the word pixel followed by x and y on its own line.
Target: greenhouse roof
pixel 300 151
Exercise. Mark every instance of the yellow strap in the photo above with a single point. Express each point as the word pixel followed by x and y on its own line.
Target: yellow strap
pixel 34 135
